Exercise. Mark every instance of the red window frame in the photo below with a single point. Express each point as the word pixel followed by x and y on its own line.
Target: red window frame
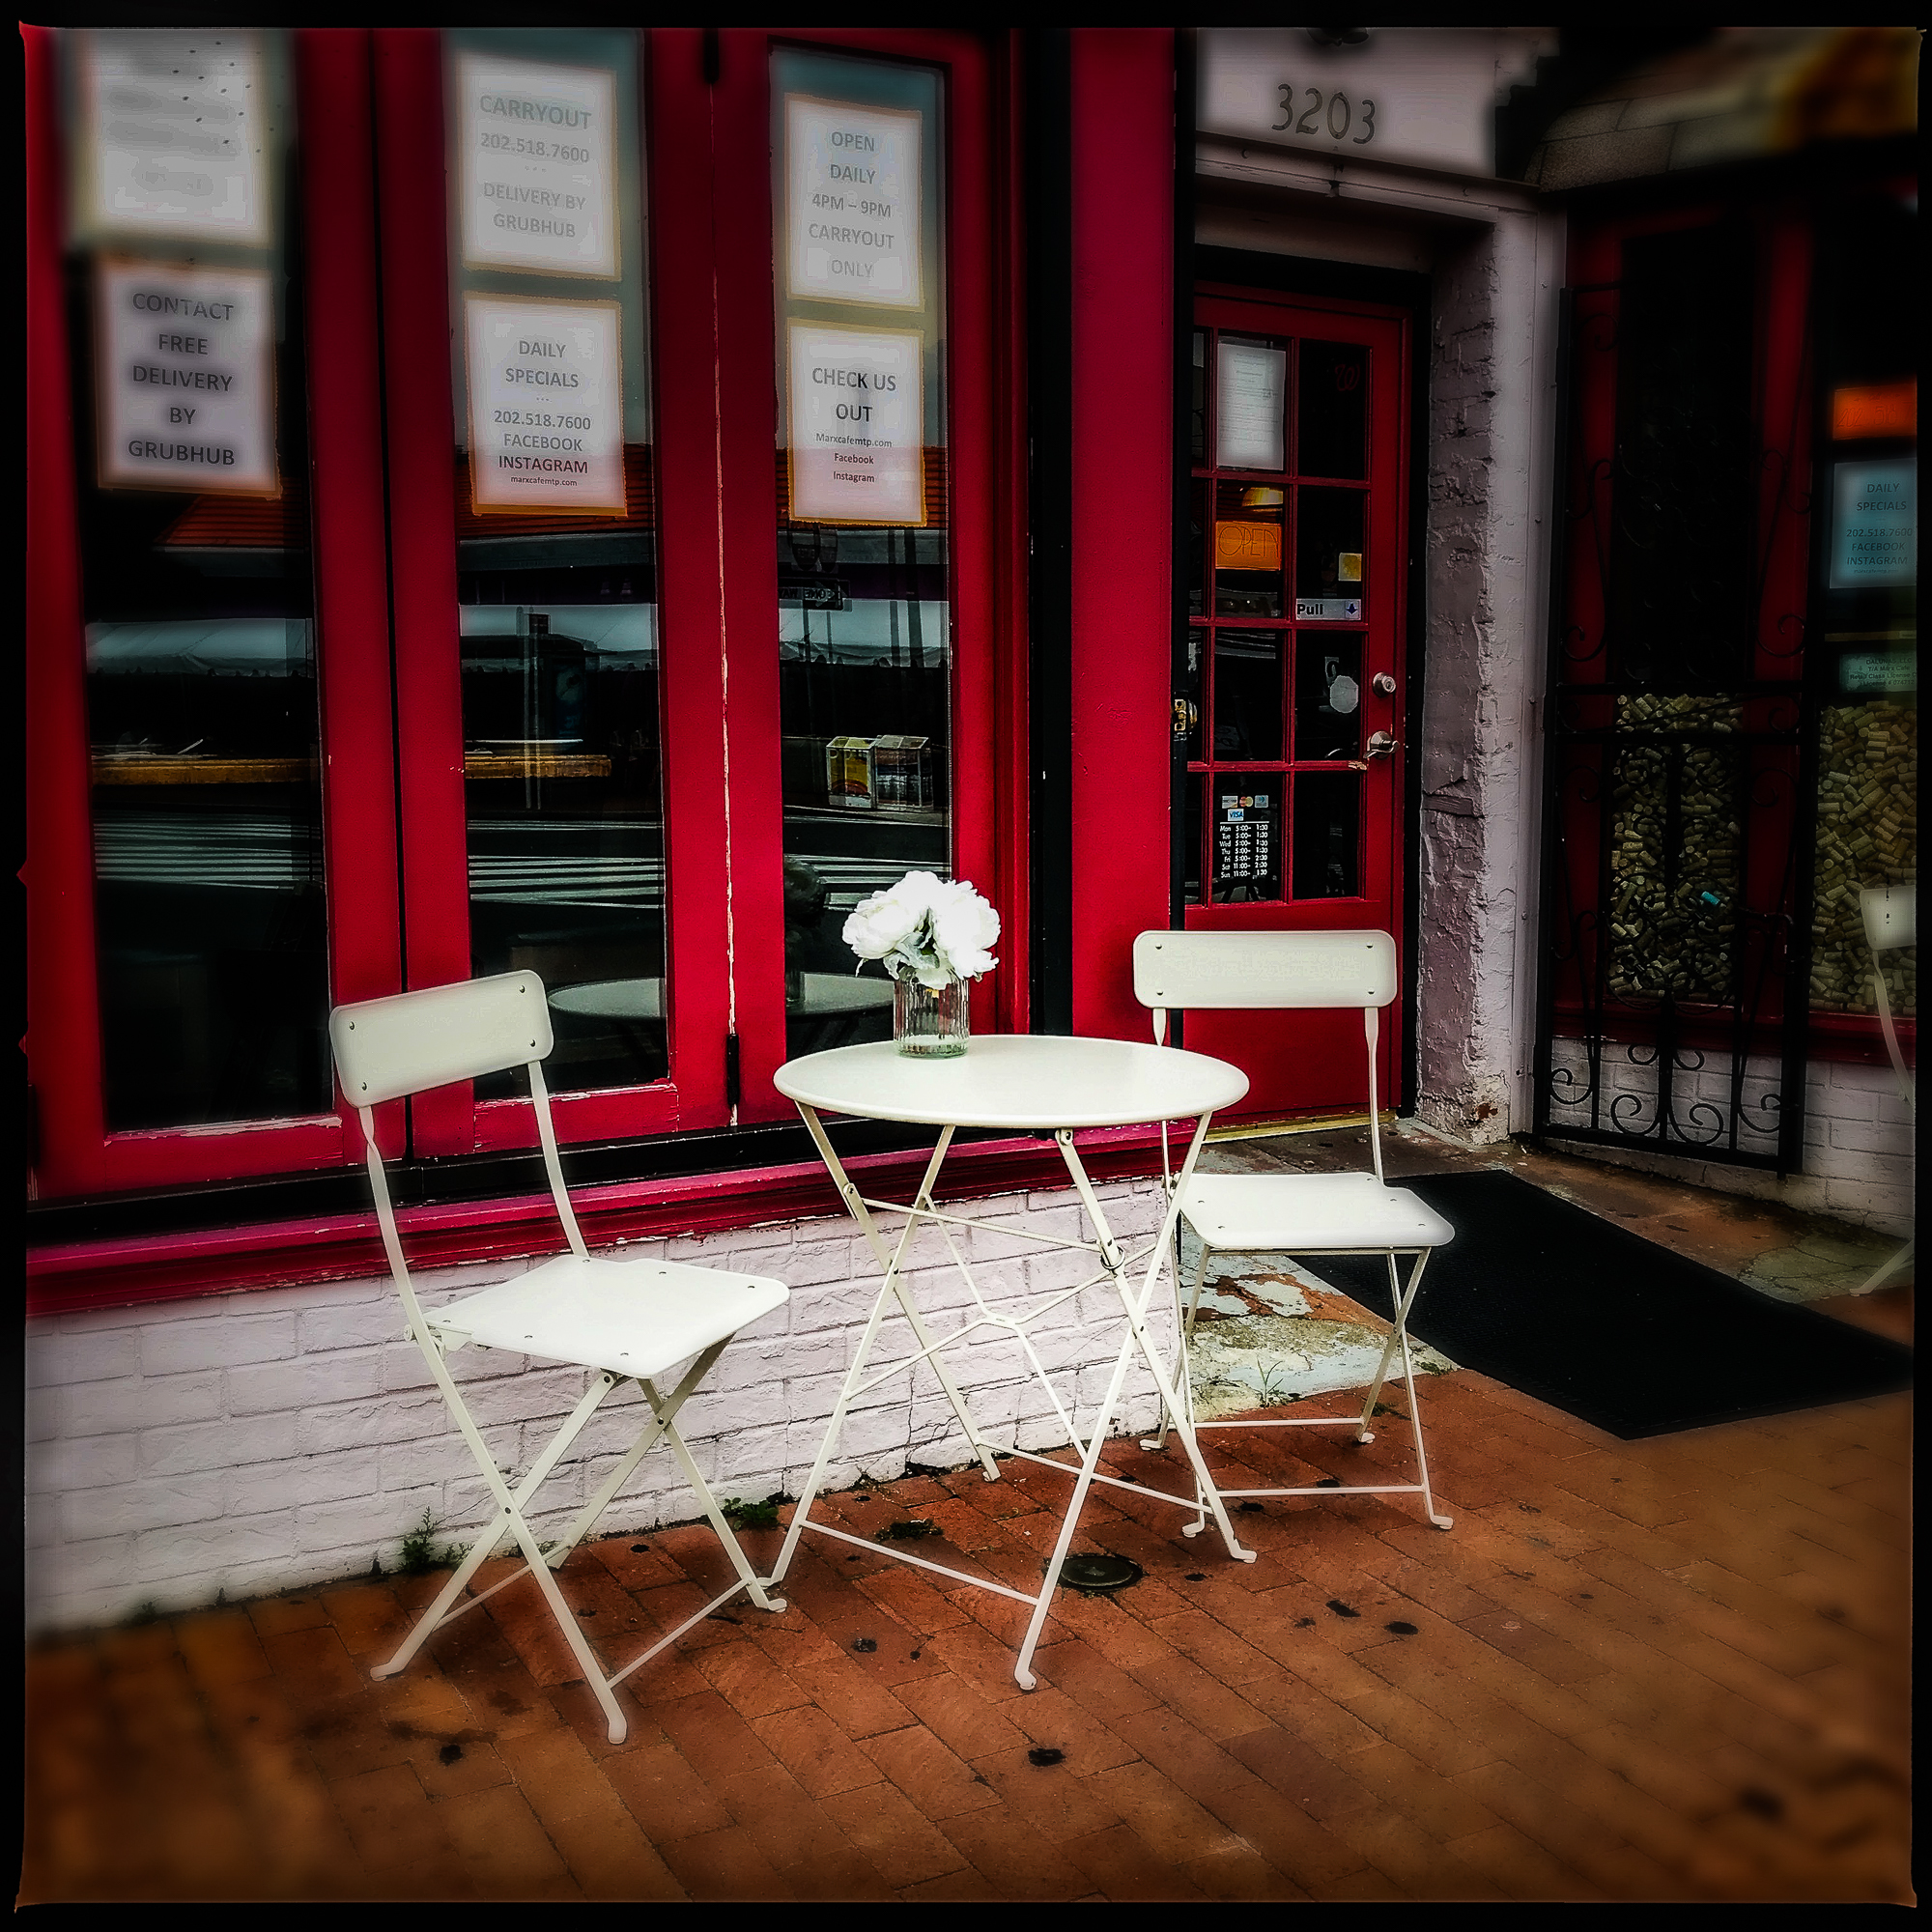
pixel 371 132
pixel 75 1152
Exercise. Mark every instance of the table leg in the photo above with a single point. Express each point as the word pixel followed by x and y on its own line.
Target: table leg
pixel 890 1291
pixel 1137 1337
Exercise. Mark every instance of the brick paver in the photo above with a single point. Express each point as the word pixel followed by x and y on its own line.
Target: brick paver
pixel 1670 1669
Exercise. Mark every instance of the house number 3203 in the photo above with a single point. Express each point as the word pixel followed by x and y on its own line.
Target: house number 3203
pixel 1330 114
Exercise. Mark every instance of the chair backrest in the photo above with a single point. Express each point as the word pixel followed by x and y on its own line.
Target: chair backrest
pixel 1285 970
pixel 409 1042
pixel 412 1041
pixel 1891 916
pixel 1179 970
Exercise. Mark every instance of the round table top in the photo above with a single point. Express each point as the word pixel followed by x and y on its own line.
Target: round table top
pixel 825 993
pixel 1033 1080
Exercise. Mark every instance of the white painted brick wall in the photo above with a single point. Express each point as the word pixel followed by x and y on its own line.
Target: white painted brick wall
pixel 1858 1137
pixel 279 1438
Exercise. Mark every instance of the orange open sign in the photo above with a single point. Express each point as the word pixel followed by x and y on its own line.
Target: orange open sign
pixel 1877 409
pixel 1247 545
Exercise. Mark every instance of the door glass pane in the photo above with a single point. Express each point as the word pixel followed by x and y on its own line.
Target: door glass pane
pixel 1194 691
pixel 556 539
pixel 1190 852
pixel 1332 409
pixel 1329 565
pixel 1247 549
pixel 864 613
pixel 1327 835
pixel 1250 404
pixel 185 302
pixel 1199 496
pixel 1247 836
pixel 1197 399
pixel 1247 694
pixel 1327 695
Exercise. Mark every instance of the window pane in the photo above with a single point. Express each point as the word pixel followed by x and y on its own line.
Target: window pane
pixel 1247 694
pixel 556 540
pixel 1247 549
pixel 1327 835
pixel 1247 837
pixel 1251 400
pixel 1327 695
pixel 1198 403
pixel 1193 691
pixel 865 612
pixel 185 303
pixel 1190 856
pixel 1332 409
pixel 1329 565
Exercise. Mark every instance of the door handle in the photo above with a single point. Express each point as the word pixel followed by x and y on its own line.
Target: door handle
pixel 1187 717
pixel 1383 745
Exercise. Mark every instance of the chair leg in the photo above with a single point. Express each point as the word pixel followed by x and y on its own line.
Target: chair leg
pixel 1184 1377
pixel 747 1575
pixel 1902 1259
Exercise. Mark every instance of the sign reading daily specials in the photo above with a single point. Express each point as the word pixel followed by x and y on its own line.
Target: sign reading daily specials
pixel 852 193
pixel 857 408
pixel 545 406
pixel 537 166
pixel 186 379
pixel 177 125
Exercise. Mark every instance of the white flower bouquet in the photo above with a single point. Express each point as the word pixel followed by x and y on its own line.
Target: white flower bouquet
pixel 927 929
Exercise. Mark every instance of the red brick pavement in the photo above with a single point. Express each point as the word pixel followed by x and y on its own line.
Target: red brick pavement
pixel 1669 1669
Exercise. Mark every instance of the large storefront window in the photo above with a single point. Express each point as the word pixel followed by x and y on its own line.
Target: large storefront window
pixel 865 630
pixel 417 482
pixel 190 405
pixel 556 567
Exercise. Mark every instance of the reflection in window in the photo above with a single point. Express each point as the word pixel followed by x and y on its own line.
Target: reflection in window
pixel 864 617
pixel 186 307
pixel 555 544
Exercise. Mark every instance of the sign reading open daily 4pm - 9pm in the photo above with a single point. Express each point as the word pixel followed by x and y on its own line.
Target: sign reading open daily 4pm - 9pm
pixel 545 406
pixel 857 412
pixel 185 379
pixel 537 166
pixel 852 193
pixel 176 133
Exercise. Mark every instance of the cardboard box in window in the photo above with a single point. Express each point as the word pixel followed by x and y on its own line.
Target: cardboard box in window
pixel 848 773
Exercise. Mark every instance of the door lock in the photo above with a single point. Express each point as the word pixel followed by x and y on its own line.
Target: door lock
pixel 1187 717
pixel 1384 682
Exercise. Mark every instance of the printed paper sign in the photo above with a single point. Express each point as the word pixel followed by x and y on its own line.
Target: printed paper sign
pixel 1253 395
pixel 856 408
pixel 852 186
pixel 545 406
pixel 1874 524
pixel 1246 836
pixel 186 380
pixel 538 144
pixel 176 127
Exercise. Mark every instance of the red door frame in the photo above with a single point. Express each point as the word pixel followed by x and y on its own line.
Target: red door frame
pixel 76 1154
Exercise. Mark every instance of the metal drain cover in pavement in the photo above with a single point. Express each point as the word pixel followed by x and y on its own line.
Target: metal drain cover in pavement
pixel 1098 1573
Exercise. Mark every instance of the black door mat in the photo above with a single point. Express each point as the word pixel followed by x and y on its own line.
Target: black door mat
pixel 1593 1319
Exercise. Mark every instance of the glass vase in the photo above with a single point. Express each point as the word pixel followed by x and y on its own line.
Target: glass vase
pixel 930 1022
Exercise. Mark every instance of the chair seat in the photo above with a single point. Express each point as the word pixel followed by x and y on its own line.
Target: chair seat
pixel 1306 1213
pixel 634 1317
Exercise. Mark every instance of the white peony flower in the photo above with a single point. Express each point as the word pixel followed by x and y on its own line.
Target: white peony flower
pixel 924 927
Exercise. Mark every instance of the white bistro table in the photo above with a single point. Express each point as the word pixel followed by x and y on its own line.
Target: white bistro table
pixel 1036 1083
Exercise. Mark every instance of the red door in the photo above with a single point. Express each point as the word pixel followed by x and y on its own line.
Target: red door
pixel 1295 660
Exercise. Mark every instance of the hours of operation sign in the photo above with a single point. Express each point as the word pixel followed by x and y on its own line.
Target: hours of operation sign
pixel 853 187
pixel 545 406
pixel 538 144
pixel 857 407
pixel 186 378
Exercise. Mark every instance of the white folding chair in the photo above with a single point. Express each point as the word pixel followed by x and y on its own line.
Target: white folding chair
pixel 625 1320
pixel 1297 1214
pixel 1892 919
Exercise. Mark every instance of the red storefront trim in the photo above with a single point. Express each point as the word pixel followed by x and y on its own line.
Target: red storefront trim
pixel 167 1268
pixel 1123 219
